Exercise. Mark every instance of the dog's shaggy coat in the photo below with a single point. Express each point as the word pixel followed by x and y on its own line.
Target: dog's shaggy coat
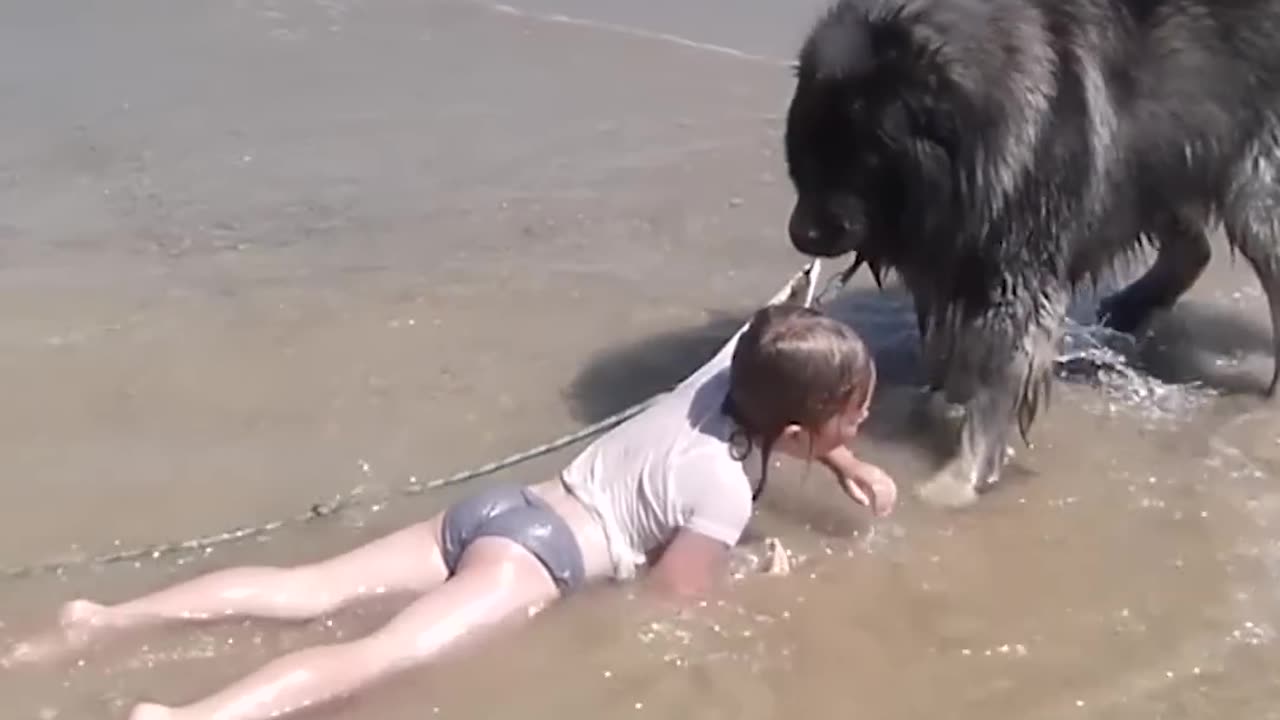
pixel 995 154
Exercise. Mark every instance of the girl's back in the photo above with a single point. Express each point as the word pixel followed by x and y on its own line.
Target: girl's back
pixel 647 477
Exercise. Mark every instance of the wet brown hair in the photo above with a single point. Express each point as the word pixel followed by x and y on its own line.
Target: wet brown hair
pixel 792 365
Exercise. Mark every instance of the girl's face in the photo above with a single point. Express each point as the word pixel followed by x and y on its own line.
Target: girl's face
pixel 803 444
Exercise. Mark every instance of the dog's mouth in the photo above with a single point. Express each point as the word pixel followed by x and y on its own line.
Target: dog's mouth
pixel 837 282
pixel 859 260
pixel 844 242
pixel 812 246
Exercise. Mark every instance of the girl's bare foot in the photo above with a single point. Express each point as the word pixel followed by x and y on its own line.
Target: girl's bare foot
pixel 82 616
pixel 79 622
pixel 151 711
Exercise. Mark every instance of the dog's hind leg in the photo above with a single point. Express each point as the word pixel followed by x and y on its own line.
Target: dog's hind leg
pixel 1182 255
pixel 1252 219
pixel 1007 358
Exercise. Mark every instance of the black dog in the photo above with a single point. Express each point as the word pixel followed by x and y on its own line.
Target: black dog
pixel 995 154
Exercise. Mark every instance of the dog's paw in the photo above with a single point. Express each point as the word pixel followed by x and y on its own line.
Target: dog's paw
pixel 1124 313
pixel 947 489
pixel 939 409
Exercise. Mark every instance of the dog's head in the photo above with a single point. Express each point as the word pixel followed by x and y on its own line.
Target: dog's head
pixel 870 136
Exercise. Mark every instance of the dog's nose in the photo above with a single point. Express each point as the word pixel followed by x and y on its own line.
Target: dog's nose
pixel 804 235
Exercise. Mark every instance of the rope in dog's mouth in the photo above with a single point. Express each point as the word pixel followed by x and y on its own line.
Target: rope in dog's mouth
pixel 837 282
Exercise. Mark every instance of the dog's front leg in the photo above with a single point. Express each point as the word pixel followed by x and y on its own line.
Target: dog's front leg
pixel 984 434
pixel 937 406
pixel 1006 357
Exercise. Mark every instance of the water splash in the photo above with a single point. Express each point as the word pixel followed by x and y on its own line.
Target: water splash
pixel 1104 356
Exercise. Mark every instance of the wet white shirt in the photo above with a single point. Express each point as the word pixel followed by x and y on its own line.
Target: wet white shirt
pixel 670 467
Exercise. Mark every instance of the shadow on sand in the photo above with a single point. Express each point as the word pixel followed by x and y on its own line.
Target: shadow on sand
pixel 1188 344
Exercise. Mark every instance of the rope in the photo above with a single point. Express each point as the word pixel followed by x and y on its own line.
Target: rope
pixel 351 498
pixel 324 509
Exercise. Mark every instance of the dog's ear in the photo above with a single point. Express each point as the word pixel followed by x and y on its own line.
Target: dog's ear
pixel 839 49
pixel 889 61
pixel 851 43
pixel 912 81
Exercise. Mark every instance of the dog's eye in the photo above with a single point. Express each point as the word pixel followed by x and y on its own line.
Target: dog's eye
pixel 872 159
pixel 895 122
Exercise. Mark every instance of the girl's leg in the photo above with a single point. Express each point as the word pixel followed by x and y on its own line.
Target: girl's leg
pixel 496 579
pixel 406 560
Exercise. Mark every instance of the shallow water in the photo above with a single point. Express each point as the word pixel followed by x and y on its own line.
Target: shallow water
pixel 261 253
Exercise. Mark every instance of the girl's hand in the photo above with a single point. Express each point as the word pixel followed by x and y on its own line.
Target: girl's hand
pixel 871 486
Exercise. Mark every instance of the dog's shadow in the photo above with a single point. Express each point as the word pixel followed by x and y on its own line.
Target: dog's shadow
pixel 633 372
pixel 1205 344
pixel 630 373
pixel 1183 346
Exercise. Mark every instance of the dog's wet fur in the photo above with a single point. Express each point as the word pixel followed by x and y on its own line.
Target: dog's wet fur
pixel 995 155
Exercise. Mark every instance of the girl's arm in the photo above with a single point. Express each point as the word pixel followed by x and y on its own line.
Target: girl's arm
pixel 866 483
pixel 689 565
pixel 718 511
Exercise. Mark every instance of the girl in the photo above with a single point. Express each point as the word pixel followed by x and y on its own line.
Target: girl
pixel 672 484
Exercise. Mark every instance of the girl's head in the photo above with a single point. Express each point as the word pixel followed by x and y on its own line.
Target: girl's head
pixel 800 382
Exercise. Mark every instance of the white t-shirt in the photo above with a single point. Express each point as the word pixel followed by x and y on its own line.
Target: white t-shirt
pixel 669 467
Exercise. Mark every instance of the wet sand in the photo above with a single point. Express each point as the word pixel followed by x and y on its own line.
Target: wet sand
pixel 260 253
